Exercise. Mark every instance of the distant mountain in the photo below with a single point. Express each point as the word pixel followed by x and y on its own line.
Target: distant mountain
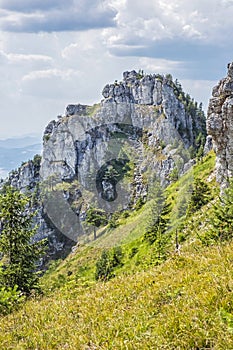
pixel 20 142
pixel 14 151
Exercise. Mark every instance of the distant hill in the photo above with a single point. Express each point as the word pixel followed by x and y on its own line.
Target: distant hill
pixel 14 151
pixel 20 142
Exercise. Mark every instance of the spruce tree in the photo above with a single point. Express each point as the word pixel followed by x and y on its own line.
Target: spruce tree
pixel 222 219
pixel 200 195
pixel 19 254
pixel 156 231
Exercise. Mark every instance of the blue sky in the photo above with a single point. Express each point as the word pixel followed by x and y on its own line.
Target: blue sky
pixel 57 52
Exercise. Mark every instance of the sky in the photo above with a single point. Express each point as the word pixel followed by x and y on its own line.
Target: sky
pixel 57 52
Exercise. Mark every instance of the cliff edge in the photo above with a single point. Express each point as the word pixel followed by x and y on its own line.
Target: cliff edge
pixel 220 126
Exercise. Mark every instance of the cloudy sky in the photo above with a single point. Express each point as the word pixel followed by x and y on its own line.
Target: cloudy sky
pixel 57 52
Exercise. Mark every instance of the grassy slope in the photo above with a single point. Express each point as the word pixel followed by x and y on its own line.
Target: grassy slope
pixel 184 303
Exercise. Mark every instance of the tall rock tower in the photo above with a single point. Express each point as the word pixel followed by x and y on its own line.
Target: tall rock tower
pixel 220 125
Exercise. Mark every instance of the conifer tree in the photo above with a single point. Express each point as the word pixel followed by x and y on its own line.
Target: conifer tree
pixel 222 220
pixel 200 195
pixel 19 254
pixel 96 218
pixel 158 224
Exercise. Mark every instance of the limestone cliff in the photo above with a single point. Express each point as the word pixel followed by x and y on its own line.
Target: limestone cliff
pixel 27 180
pixel 220 126
pixel 106 155
pixel 152 103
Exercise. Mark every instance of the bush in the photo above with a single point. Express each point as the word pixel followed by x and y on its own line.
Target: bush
pixel 133 252
pixel 10 298
pixel 107 262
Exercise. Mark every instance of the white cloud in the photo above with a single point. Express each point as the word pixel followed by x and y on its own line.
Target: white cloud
pixel 50 73
pixel 57 52
pixel 82 46
pixel 151 65
pixel 163 19
pixel 15 58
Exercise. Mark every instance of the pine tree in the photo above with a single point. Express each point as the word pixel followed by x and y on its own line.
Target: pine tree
pixel 96 218
pixel 158 224
pixel 19 254
pixel 200 195
pixel 222 220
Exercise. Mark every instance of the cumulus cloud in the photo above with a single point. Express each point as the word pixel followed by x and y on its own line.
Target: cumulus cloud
pixel 75 49
pixel 36 16
pixel 44 66
pixel 193 32
pixel 163 19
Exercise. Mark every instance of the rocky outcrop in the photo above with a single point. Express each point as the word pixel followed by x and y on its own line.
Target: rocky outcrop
pixel 107 155
pixel 27 180
pixel 220 126
pixel 26 177
pixel 144 120
pixel 150 103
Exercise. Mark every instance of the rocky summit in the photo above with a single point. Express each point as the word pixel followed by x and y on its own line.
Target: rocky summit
pixel 152 103
pixel 220 125
pixel 106 155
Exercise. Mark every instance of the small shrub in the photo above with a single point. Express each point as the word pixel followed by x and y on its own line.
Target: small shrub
pixel 107 262
pixel 113 221
pixel 174 175
pixel 140 202
pixel 10 298
pixel 133 252
pixel 116 256
pixel 200 196
pixel 46 137
pixel 103 267
pixel 125 214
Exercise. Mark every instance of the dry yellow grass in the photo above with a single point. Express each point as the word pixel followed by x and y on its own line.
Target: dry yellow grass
pixel 186 303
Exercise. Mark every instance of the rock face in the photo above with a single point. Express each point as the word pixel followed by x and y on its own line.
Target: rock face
pixel 220 126
pixel 105 155
pixel 151 103
pixel 144 120
pixel 27 176
pixel 28 181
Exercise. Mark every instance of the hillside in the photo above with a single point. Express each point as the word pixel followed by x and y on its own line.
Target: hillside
pixel 183 302
pixel 131 195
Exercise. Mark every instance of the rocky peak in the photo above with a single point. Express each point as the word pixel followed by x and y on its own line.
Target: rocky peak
pixel 220 125
pixel 138 88
pixel 104 155
pixel 151 102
